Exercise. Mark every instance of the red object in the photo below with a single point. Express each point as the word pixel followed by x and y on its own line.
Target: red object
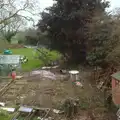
pixel 116 88
pixel 114 83
pixel 13 75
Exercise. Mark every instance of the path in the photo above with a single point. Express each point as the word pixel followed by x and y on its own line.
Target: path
pixel 11 92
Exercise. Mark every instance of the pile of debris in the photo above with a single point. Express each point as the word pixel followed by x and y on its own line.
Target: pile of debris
pixel 47 73
pixel 44 74
pixel 25 112
pixel 32 112
pixel 103 78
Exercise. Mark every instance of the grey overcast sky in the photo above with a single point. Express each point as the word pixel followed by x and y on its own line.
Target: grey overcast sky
pixel 114 3
pixel 46 3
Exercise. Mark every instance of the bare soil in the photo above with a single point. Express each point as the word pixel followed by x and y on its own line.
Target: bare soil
pixel 13 46
pixel 51 93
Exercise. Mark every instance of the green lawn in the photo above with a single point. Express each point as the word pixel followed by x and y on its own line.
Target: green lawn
pixel 5 115
pixel 4 118
pixel 32 61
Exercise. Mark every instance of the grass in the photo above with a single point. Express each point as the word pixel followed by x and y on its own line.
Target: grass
pixel 32 61
pixel 4 118
pixel 4 115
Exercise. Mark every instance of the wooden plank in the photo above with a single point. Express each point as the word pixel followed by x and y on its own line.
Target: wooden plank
pixel 5 88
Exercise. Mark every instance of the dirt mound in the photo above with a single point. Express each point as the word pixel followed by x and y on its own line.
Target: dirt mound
pixel 12 46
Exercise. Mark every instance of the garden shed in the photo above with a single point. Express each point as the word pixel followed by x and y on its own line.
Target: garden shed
pixel 116 88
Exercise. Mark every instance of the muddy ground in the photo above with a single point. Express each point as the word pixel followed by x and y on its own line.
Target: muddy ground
pixel 51 94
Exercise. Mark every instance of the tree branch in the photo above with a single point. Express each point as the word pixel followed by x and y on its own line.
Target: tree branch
pixel 2 27
pixel 28 18
pixel 14 14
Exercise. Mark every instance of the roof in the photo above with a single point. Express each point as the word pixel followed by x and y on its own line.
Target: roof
pixel 116 75
pixel 25 109
pixel 9 59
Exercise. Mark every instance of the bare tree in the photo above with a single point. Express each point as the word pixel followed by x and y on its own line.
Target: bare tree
pixel 14 14
pixel 13 8
pixel 11 29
